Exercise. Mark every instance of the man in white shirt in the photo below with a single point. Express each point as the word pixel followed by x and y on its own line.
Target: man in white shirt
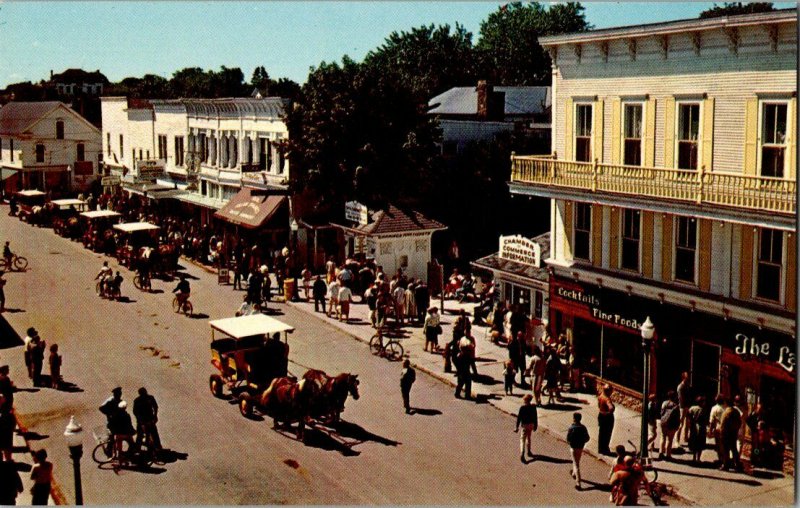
pixel 399 295
pixel 333 298
pixel 345 295
pixel 714 419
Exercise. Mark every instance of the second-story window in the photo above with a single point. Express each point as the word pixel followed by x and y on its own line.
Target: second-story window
pixel 583 230
pixel 583 132
pixel 108 143
pixel 633 135
pixel 685 248
pixel 121 147
pixel 770 262
pixel 162 147
pixel 688 134
pixel 39 152
pixel 631 220
pixel 59 129
pixel 80 152
pixel 773 139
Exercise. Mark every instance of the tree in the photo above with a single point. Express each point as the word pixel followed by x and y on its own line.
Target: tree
pixel 260 79
pixel 191 82
pixel 733 8
pixel 285 88
pixel 509 49
pixel 227 82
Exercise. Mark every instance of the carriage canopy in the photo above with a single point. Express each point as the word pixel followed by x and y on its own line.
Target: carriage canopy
pixel 79 204
pixel 249 326
pixel 96 214
pixel 30 193
pixel 131 227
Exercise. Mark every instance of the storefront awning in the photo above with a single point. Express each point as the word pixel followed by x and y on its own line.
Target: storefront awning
pixel 194 198
pixel 250 211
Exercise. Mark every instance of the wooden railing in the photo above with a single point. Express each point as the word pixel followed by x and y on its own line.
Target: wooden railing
pixel 700 187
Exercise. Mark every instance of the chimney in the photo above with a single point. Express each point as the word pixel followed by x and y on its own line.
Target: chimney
pixel 484 92
pixel 51 74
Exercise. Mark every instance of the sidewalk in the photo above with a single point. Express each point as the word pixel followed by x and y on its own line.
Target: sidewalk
pixel 21 453
pixel 692 484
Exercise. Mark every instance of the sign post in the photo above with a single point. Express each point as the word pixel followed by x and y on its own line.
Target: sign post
pixel 356 212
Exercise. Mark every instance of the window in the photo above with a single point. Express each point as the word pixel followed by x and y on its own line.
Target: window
pixel 281 158
pixel 1 149
pixel 631 220
pixel 179 150
pixel 133 154
pixel 162 147
pixel 140 154
pixel 583 132
pixel 121 147
pixel 773 139
pixel 80 155
pixel 108 143
pixel 688 132
pixel 263 150
pixel 685 248
pixel 146 155
pixel 59 129
pixel 633 135
pixel 583 230
pixel 538 302
pixel 770 262
pixel 11 148
pixel 39 152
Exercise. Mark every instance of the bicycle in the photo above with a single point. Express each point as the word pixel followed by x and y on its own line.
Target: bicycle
pixel 392 350
pixel 185 307
pixel 17 263
pixel 104 452
pixel 142 283
pixel 648 485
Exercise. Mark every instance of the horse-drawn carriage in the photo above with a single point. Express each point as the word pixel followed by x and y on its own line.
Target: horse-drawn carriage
pixel 134 238
pixel 97 233
pixel 30 203
pixel 64 216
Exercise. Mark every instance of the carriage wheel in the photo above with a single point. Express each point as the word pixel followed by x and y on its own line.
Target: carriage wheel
pixel 394 351
pixel 246 405
pixel 20 263
pixel 375 345
pixel 215 384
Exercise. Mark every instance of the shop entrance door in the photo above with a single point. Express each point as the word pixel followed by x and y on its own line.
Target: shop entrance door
pixel 705 369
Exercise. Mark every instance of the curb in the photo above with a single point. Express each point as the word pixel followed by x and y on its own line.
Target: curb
pixel 55 490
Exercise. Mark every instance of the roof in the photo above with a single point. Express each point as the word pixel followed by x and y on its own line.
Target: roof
pixel 68 202
pixel 269 107
pixel 94 214
pixel 79 76
pixel 249 326
pixel 670 27
pixel 30 193
pixel 130 227
pixel 540 274
pixel 519 100
pixel 248 210
pixel 395 220
pixel 17 117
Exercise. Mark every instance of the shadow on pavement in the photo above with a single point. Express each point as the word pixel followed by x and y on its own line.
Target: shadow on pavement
pixel 33 436
pixel 8 336
pixel 552 460
pixel 603 487
pixel 316 438
pixel 484 398
pixel 167 456
pixel 360 434
pixel 741 481
pixel 484 379
pixel 561 407
pixel 125 299
pixel 198 316
pixel 425 412
pixel 13 311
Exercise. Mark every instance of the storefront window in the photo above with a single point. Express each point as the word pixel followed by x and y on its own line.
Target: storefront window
pixel 583 230
pixel 685 248
pixel 631 220
pixel 770 261
pixel 538 303
pixel 522 297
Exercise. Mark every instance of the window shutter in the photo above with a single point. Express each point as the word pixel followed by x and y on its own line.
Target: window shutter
pixel 650 133
pixel 708 134
pixel 791 136
pixel 666 247
pixel 751 136
pixel 669 132
pixel 597 131
pixel 614 240
pixel 704 241
pixel 647 244
pixel 569 133
pixel 790 265
pixel 597 235
pixel 569 226
pixel 616 131
pixel 746 263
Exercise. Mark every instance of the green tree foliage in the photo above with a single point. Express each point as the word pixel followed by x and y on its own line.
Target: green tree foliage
pixel 734 8
pixel 260 79
pixel 508 48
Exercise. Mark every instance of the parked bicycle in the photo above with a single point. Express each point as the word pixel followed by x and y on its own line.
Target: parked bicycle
pixel 391 350
pixel 103 453
pixel 17 263
pixel 648 485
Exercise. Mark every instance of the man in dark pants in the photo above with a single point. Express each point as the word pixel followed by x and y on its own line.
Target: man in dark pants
pixel 319 290
pixel 407 378
pixel 463 373
pixel 423 300
pixel 145 409
pixel 605 420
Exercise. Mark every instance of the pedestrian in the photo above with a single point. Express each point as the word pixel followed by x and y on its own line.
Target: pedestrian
pixel 527 417
pixel 577 437
pixel 422 299
pixel 333 299
pixel 625 483
pixel 7 424
pixel 508 377
pixel 463 374
pixel 407 377
pixel 318 290
pixel 42 476
pixel 713 425
pixel 10 483
pixel 345 295
pixel 467 345
pixel 670 422
pixel 684 402
pixel 237 274
pixel 537 371
pixel 514 355
pixel 729 426
pixel 653 413
pixel 7 388
pixel 399 296
pixel 605 420
pixel 55 361
pixel 410 310
pixel 330 270
pixel 432 328
pixel 145 409
pixel 371 297
pixel 36 349
pixel 741 406
pixel 305 274
pixel 698 421
pixel 110 405
pixel 552 375
pixel 29 335
pixel 2 292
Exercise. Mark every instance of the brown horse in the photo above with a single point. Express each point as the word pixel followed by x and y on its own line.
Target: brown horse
pixel 288 400
pixel 332 394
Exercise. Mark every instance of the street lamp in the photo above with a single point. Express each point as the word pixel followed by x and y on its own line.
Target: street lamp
pixel 648 330
pixel 73 435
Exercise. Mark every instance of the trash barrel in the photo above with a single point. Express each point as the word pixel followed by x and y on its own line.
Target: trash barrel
pixel 288 289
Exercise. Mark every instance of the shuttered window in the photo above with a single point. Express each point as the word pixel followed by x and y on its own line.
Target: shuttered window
pixel 685 248
pixel 770 264
pixel 773 139
pixel 583 230
pixel 688 134
pixel 631 235
pixel 583 132
pixel 633 135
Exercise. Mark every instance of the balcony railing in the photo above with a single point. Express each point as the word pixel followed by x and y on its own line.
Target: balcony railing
pixel 700 187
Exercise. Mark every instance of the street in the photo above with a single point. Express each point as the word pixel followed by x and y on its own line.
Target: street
pixel 450 452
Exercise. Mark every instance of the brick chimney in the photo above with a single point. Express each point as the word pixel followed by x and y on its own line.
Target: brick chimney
pixel 484 93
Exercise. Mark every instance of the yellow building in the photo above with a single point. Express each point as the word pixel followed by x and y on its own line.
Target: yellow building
pixel 672 181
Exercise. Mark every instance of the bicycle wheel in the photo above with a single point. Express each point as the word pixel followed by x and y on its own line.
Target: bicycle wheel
pixel 375 344
pixel 176 306
pixel 98 288
pixel 394 351
pixel 101 454
pixel 4 266
pixel 651 474
pixel 20 263
pixel 137 282
pixel 187 308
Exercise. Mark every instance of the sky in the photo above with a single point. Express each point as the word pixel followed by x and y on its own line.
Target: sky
pixel 126 38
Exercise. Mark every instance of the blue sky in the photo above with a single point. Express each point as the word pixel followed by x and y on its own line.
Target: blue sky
pixel 133 38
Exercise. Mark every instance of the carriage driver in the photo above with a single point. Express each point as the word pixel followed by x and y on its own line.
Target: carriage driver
pixel 182 290
pixel 104 275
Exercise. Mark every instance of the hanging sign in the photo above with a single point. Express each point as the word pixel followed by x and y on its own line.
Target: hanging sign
pixel 356 212
pixel 521 250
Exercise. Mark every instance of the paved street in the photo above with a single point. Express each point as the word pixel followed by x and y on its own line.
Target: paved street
pixel 453 452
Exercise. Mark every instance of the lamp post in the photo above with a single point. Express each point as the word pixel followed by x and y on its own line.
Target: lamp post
pixel 648 330
pixel 73 435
